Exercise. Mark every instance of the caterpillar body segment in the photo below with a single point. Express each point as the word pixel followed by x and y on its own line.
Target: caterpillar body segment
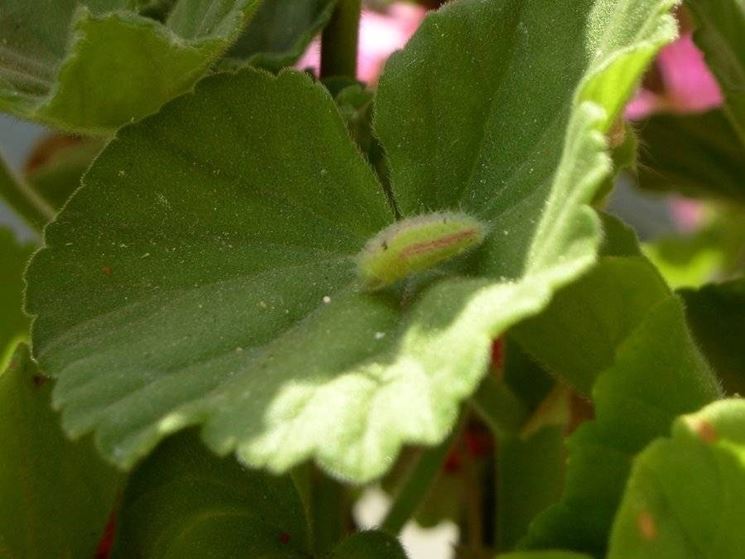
pixel 416 244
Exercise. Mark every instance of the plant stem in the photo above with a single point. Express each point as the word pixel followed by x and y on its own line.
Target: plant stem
pixel 498 406
pixel 418 482
pixel 23 199
pixel 339 41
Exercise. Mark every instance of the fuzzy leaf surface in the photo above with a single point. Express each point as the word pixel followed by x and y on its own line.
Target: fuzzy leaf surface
pixel 205 272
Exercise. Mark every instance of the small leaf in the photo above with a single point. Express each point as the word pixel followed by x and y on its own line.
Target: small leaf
pixel 716 313
pixel 280 32
pixel 56 494
pixel 698 155
pixel 686 494
pixel 13 258
pixel 94 66
pixel 369 545
pixel 184 502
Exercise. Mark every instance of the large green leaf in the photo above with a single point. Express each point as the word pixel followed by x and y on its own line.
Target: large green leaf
pixel 13 258
pixel 720 34
pixel 94 65
pixel 686 495
pixel 56 495
pixel 716 313
pixel 184 502
pixel 205 272
pixel 280 32
pixel 634 403
pixel 698 154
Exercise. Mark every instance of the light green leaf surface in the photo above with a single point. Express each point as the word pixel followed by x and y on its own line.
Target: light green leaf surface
pixel 183 502
pixel 280 32
pixel 92 66
pixel 56 495
pixel 720 34
pixel 13 322
pixel 205 272
pixel 699 155
pixel 686 495
pixel 716 314
pixel 652 380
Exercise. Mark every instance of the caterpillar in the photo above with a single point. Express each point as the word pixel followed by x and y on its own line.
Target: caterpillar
pixel 416 244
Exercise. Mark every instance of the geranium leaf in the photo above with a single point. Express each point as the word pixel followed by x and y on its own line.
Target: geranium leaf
pixel 633 405
pixel 686 494
pixel 92 66
pixel 205 272
pixel 183 501
pixel 56 495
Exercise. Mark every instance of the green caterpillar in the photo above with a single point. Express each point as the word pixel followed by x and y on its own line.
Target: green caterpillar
pixel 416 244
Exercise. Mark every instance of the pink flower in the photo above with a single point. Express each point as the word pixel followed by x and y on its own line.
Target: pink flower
pixel 380 35
pixel 687 83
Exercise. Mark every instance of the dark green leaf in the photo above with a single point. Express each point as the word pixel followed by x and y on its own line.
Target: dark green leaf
pixel 93 66
pixel 721 35
pixel 280 32
pixel 698 155
pixel 686 495
pixel 716 313
pixel 578 334
pixel 530 478
pixel 56 495
pixel 185 502
pixel 205 272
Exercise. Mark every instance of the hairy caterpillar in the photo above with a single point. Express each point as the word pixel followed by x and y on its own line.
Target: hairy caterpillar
pixel 416 244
